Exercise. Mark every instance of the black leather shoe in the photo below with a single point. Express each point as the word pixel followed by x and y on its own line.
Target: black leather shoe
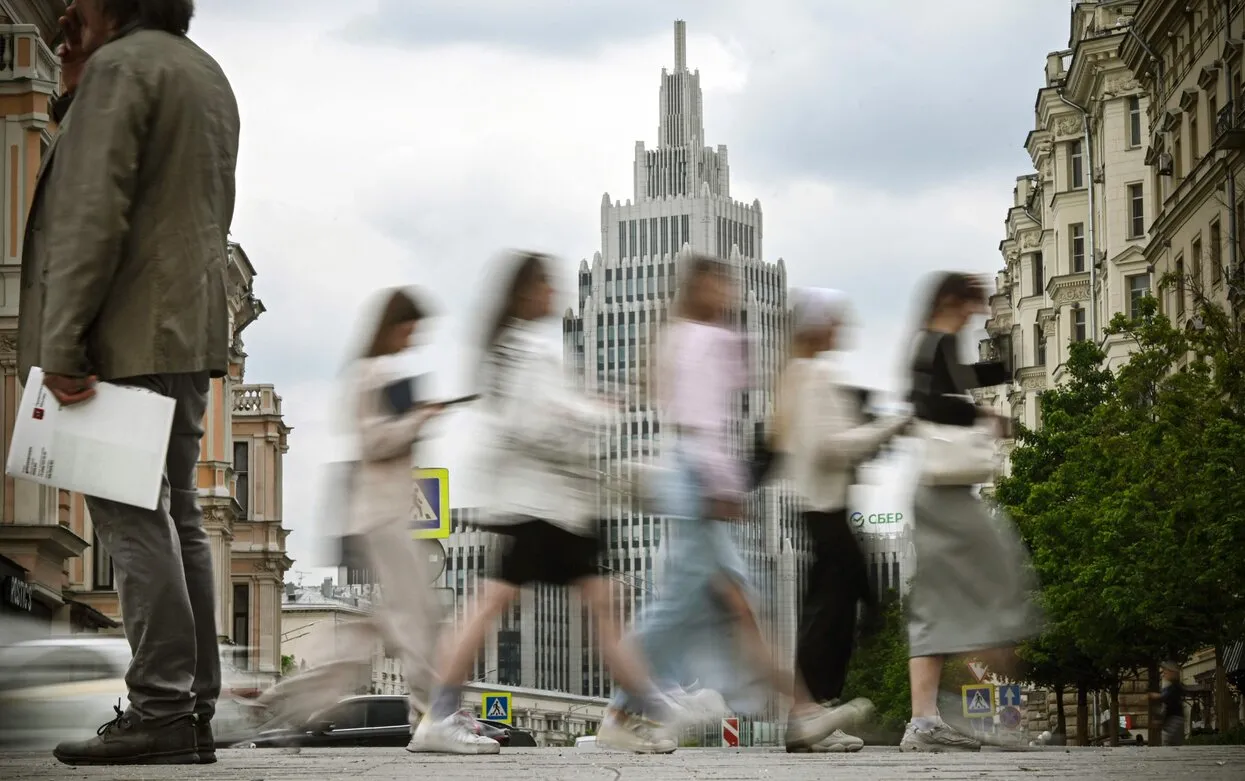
pixel 205 743
pixel 127 741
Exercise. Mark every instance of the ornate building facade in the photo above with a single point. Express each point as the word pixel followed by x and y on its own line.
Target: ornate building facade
pixel 1076 232
pixel 50 565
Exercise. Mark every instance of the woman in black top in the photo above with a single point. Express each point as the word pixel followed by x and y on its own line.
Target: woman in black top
pixel 970 590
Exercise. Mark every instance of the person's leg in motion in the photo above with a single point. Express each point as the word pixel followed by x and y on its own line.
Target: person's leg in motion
pixel 828 624
pixel 442 730
pixel 624 729
pixel 408 617
pixel 156 609
pixel 810 723
pixel 191 393
pixel 927 731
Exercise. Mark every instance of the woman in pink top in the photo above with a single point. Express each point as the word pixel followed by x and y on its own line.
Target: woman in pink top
pixel 702 631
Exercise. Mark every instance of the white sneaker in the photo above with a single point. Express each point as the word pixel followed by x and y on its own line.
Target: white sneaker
pixel 633 734
pixel 805 731
pixel 453 735
pixel 938 738
pixel 839 742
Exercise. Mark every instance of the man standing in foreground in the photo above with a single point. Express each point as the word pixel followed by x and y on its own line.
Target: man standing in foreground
pixel 124 279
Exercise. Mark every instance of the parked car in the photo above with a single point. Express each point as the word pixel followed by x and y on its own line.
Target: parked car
pixel 518 738
pixel 374 720
pixel 64 688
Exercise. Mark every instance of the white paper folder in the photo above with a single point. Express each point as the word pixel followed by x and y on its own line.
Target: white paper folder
pixel 112 446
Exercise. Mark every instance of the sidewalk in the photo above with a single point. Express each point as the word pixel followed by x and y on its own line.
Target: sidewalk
pixel 874 764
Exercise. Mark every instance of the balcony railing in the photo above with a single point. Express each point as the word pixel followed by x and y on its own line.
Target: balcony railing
pixel 1230 126
pixel 256 400
pixel 26 56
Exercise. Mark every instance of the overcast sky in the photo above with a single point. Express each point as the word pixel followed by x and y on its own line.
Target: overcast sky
pixel 408 142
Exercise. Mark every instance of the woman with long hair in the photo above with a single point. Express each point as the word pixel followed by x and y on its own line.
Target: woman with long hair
pixel 971 589
pixel 703 628
pixel 378 498
pixel 823 437
pixel 543 503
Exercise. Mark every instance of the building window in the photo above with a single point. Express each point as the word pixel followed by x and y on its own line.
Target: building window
pixel 686 231
pixel 1195 257
pixel 1177 155
pixel 101 575
pixel 242 475
pixel 622 239
pixel 1138 288
pixel 652 236
pixel 1136 211
pixel 643 237
pixel 1194 147
pixel 241 624
pixel 1180 286
pixel 665 235
pixel 1039 346
pixel 1216 253
pixel 1212 113
pixel 633 247
pixel 1134 121
pixel 1078 324
pixel 1039 274
pixel 1077 246
pixel 1076 164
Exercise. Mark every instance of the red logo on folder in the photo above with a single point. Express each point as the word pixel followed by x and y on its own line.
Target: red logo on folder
pixel 38 413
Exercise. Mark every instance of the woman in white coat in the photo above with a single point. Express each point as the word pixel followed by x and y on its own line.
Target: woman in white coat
pixel 544 503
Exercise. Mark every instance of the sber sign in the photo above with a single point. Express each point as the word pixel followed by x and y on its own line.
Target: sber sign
pixel 861 520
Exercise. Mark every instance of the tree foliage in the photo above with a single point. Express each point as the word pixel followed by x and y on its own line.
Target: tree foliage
pixel 1129 498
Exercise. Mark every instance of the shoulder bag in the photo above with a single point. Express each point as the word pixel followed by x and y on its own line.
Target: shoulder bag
pixel 957 455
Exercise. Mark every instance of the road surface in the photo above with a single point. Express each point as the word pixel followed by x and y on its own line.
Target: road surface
pixel 872 764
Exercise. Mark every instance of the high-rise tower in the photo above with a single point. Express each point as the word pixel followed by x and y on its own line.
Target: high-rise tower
pixel 681 204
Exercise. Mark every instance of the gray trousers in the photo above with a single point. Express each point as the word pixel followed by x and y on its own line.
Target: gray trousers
pixel 406 624
pixel 163 565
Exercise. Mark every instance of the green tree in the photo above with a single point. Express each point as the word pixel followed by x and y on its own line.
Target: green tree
pixel 1128 498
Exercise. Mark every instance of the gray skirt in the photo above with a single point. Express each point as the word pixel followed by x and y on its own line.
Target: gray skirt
pixel 972 587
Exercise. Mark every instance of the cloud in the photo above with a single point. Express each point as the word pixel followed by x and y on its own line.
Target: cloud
pixel 542 27
pixel 883 144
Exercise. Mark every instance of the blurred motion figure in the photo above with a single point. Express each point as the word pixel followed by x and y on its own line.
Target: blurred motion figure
pixel 378 526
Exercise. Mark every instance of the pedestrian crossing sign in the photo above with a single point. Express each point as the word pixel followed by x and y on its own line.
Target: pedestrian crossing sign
pixel 978 701
pixel 497 707
pixel 430 504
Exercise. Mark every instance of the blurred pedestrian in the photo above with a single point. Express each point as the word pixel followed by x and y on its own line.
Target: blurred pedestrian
pixel 703 630
pixel 406 617
pixel 543 502
pixel 1171 698
pixel 125 276
pixel 971 588
pixel 824 438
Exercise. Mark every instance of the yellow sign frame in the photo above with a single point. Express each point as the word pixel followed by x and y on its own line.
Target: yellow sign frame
pixel 505 697
pixel 992 699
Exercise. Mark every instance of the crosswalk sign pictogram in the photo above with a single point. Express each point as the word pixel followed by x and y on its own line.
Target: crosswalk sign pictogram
pixel 430 504
pixel 497 707
pixel 978 701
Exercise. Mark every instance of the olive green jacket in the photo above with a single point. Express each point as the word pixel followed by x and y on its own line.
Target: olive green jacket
pixel 125 256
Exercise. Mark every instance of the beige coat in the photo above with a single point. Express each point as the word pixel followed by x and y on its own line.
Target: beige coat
pixel 125 257
pixel 384 482
pixel 825 439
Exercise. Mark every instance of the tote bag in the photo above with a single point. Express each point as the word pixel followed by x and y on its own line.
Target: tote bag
pixel 957 455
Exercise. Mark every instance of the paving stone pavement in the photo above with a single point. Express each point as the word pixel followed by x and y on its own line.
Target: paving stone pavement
pixel 872 764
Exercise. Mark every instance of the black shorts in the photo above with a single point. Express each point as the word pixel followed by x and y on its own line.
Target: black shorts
pixel 542 552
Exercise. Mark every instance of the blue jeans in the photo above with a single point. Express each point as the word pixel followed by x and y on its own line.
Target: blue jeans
pixel 688 635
